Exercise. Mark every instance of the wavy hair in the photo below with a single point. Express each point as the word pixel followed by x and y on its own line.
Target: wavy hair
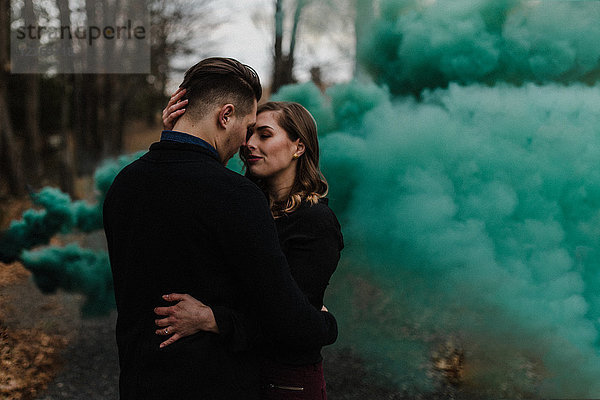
pixel 309 183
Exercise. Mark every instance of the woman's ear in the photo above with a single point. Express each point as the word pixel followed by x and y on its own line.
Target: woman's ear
pixel 300 148
pixel 225 114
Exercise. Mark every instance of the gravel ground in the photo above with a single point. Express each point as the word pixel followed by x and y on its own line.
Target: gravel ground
pixel 91 364
pixel 91 369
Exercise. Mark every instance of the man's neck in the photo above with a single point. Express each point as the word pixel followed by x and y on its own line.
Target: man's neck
pixel 199 130
pixel 195 130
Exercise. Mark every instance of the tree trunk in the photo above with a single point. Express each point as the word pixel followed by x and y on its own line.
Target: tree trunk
pixel 10 163
pixel 114 87
pixel 31 96
pixel 278 59
pixel 290 64
pixel 67 164
pixel 283 64
pixel 89 134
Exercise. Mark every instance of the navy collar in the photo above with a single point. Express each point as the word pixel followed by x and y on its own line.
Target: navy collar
pixel 181 137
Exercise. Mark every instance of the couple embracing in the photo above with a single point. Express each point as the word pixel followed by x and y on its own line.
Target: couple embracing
pixel 219 278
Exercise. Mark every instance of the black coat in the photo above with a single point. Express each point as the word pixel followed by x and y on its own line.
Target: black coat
pixel 311 239
pixel 177 220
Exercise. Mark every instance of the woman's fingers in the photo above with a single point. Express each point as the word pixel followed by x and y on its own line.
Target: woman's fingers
pixel 179 93
pixel 176 107
pixel 184 318
pixel 170 340
pixel 167 331
pixel 174 100
pixel 164 331
pixel 170 297
pixel 171 114
pixel 163 322
pixel 175 297
pixel 163 310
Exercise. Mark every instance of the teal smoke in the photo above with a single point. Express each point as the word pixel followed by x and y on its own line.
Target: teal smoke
pixel 471 211
pixel 71 268
pixel 471 215
pixel 412 46
pixel 74 269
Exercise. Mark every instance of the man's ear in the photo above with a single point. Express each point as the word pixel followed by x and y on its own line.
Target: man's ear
pixel 300 148
pixel 225 114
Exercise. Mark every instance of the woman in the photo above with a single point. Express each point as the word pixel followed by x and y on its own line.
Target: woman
pixel 282 158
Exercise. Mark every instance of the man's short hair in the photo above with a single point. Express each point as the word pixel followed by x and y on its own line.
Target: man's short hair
pixel 217 81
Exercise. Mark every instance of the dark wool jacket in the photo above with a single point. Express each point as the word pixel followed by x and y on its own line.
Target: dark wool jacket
pixel 177 220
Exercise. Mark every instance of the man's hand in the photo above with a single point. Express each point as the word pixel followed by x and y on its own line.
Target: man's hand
pixel 174 109
pixel 185 318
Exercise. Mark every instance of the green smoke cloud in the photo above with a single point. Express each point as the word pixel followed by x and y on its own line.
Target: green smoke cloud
pixel 412 46
pixel 472 216
pixel 74 269
pixel 37 227
pixel 71 268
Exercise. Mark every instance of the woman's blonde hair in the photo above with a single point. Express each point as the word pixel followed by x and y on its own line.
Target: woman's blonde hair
pixel 309 184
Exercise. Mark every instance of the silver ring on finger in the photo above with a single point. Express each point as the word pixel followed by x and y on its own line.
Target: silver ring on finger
pixel 166 331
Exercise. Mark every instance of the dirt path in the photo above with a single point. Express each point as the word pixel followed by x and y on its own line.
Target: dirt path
pixel 77 358
pixel 90 364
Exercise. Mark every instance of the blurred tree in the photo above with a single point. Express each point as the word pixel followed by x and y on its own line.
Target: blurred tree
pixel 283 63
pixel 176 27
pixel 10 164
pixel 67 164
pixel 64 124
pixel 325 42
pixel 31 97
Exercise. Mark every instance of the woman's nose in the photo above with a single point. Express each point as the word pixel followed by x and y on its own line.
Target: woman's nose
pixel 250 143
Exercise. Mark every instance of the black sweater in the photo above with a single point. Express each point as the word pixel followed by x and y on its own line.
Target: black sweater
pixel 311 240
pixel 177 220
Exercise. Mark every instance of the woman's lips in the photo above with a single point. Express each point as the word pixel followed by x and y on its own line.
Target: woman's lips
pixel 253 159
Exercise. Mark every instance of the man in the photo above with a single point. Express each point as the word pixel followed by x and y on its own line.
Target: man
pixel 178 221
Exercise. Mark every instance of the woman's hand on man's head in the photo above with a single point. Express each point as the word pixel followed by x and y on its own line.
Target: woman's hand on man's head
pixel 174 109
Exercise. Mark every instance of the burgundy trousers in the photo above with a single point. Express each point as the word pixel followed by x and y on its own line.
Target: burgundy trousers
pixel 283 382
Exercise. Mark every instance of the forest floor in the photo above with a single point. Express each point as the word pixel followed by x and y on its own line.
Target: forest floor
pixel 48 352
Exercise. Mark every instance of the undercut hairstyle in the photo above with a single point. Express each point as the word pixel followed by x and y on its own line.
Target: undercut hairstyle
pixel 309 183
pixel 217 81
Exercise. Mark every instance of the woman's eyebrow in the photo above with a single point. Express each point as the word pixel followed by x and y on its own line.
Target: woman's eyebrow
pixel 260 128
